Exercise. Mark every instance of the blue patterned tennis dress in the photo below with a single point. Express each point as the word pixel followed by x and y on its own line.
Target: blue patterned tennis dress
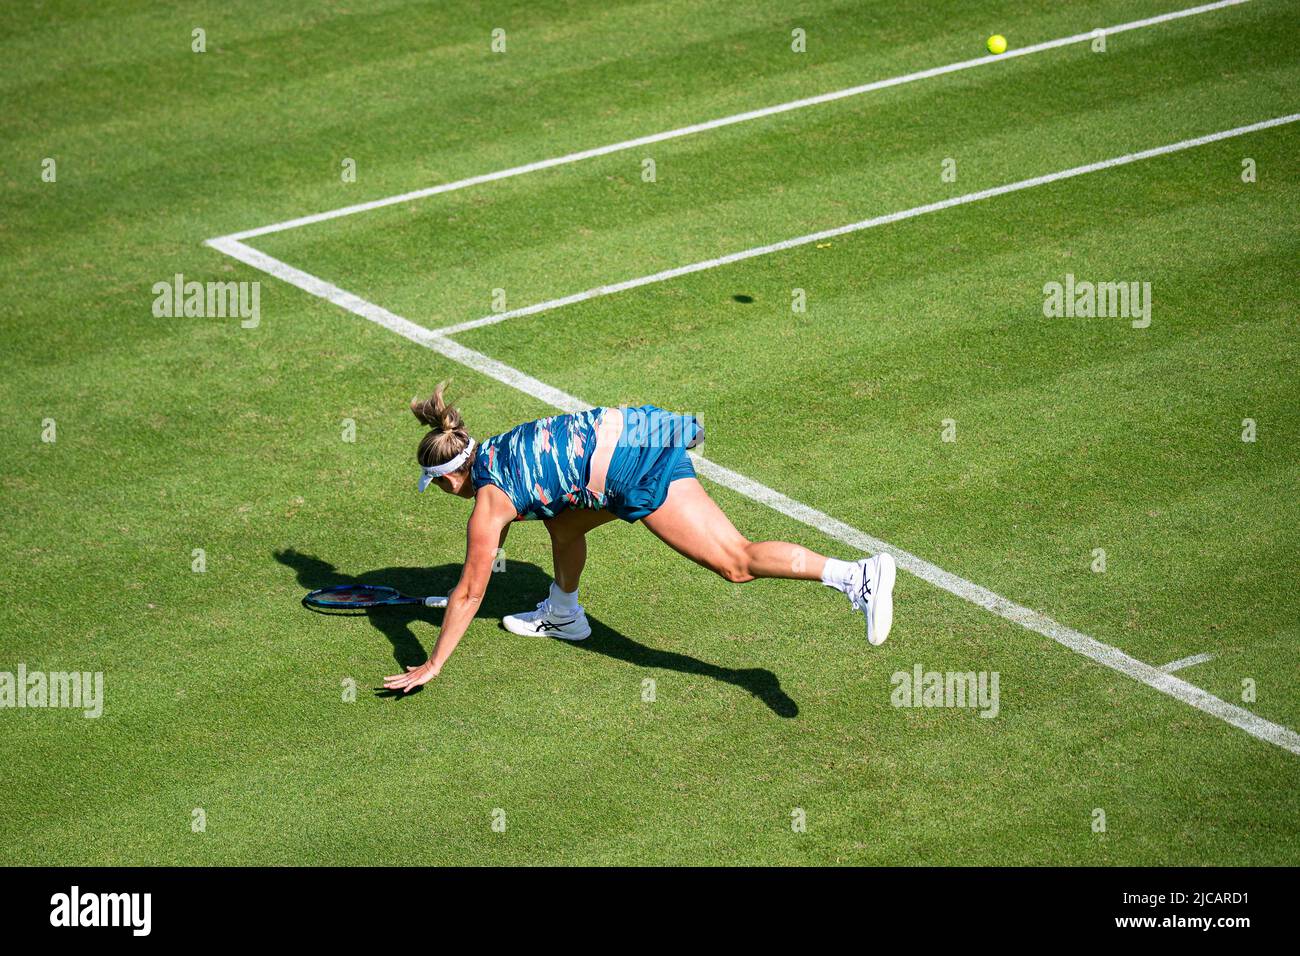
pixel 544 466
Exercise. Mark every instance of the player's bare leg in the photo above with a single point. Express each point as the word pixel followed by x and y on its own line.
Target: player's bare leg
pixel 560 615
pixel 691 523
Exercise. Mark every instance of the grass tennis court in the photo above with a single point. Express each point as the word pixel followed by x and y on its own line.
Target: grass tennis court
pixel 1068 434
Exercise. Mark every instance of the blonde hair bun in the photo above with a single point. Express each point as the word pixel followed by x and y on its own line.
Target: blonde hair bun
pixel 436 412
pixel 448 436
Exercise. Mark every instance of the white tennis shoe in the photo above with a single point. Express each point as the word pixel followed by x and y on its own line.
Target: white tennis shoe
pixel 872 593
pixel 548 621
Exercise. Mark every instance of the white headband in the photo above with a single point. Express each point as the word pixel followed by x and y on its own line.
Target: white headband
pixel 431 472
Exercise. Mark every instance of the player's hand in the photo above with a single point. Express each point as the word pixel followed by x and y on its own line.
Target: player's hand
pixel 413 678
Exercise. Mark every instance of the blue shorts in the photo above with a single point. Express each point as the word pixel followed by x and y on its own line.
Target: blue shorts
pixel 650 456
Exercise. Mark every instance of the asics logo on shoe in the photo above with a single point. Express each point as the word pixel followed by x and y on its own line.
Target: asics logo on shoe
pixel 553 625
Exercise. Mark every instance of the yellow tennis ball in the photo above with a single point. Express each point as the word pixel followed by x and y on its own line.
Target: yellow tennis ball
pixel 997 43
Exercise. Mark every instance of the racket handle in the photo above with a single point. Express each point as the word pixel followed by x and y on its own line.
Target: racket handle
pixel 435 602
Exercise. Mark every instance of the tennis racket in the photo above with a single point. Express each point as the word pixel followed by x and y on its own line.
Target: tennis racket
pixel 344 598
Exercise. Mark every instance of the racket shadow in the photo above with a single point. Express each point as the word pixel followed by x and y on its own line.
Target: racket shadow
pixel 507 594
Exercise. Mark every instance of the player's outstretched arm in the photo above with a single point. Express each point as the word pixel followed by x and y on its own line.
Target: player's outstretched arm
pixel 492 514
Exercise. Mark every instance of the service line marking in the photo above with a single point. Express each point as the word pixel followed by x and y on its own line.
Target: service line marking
pixel 1182 662
pixel 1091 648
pixel 731 120
pixel 824 234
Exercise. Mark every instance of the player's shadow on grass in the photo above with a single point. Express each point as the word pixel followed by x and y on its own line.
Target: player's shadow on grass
pixel 759 681
pixel 516 589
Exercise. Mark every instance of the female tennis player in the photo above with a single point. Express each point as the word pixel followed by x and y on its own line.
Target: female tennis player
pixel 576 472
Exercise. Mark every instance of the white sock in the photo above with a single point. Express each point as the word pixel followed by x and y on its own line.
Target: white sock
pixel 839 574
pixel 563 600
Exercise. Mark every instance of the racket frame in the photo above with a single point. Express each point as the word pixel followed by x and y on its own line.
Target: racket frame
pixel 395 597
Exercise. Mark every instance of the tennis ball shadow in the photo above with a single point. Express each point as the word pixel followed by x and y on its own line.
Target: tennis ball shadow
pixel 518 588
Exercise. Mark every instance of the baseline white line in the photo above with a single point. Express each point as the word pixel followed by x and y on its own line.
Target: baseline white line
pixel 1032 620
pixel 1185 662
pixel 729 120
pixel 915 211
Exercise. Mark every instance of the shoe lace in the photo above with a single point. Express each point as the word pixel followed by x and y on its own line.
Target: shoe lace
pixel 859 598
pixel 545 611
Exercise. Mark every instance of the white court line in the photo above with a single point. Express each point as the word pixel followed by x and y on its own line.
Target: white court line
pixel 1032 620
pixel 1185 662
pixel 864 224
pixel 730 120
